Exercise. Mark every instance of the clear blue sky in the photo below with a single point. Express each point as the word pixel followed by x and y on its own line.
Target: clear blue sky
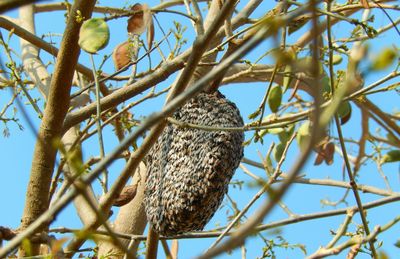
pixel 302 199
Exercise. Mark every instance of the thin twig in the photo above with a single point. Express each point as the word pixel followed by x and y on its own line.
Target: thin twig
pixel 342 230
pixel 323 253
pixel 98 124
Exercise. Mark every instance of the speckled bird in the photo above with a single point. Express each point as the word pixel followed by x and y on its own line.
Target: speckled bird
pixel 189 170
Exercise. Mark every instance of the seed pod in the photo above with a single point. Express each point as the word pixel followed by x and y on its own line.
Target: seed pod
pixel 188 170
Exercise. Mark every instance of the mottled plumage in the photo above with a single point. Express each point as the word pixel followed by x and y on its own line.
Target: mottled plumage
pixel 188 170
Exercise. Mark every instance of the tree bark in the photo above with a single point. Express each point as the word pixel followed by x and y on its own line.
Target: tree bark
pixel 33 66
pixel 131 219
pixel 37 199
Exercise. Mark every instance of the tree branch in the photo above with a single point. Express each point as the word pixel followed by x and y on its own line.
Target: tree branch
pixel 50 129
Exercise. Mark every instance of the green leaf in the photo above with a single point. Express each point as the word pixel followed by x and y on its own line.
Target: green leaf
pixel 382 255
pixel 257 138
pixel 290 130
pixel 287 79
pixel 306 64
pixel 94 35
pixel 391 138
pixel 391 156
pixel 254 114
pixel 384 59
pixel 262 133
pixel 283 137
pixel 304 135
pixel 336 59
pixel 275 98
pixel 286 133
pixel 247 142
pixel 27 246
pixel 325 87
pixel 344 112
pixel 278 151
pixel 276 131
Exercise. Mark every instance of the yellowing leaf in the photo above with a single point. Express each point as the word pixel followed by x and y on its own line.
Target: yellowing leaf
pixel 27 246
pixel 304 135
pixel 384 59
pixel 383 255
pixel 276 131
pixel 336 59
pixel 94 35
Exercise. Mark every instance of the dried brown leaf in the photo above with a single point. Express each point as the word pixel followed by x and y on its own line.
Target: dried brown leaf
pixel 121 55
pixel 127 194
pixel 7 233
pixel 329 149
pixel 325 152
pixel 150 33
pixel 136 21
pixel 318 159
pixel 139 21
pixel 56 245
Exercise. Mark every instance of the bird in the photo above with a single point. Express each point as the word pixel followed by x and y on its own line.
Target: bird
pixel 189 168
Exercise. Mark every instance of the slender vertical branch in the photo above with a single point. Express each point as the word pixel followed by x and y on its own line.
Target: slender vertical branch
pixel 354 186
pixel 152 245
pixel 98 123
pixel 134 51
pixel 342 144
